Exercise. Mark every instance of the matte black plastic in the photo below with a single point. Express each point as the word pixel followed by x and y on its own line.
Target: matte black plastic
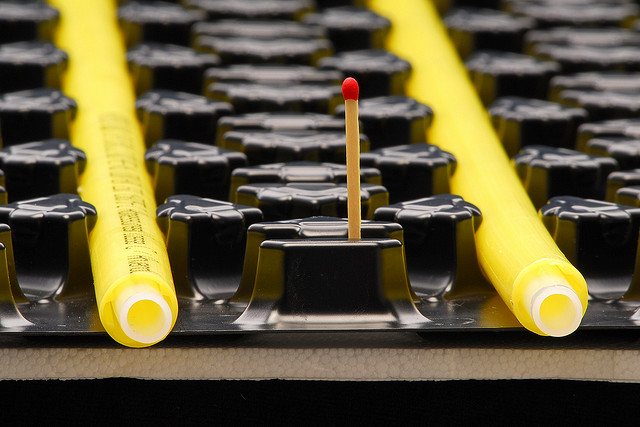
pixel 271 29
pixel 272 74
pixel 252 9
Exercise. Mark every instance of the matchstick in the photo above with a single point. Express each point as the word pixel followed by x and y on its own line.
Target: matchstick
pixel 350 92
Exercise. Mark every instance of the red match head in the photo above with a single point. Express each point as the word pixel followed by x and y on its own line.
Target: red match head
pixel 350 89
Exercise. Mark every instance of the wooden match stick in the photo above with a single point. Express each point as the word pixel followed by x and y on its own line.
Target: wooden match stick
pixel 350 91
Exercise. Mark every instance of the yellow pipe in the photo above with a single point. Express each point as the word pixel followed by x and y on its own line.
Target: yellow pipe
pixel 516 253
pixel 132 278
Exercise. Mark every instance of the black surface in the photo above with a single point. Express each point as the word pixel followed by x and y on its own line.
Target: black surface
pixel 138 402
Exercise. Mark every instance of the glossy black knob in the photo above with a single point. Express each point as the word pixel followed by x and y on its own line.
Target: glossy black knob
pixel 33 115
pixel 626 151
pixel 284 146
pixel 352 28
pixel 497 74
pixel 609 37
pixel 619 180
pixel 260 97
pixel 474 29
pixel 273 29
pixel 308 231
pixel 26 20
pixel 252 9
pixel 379 73
pixel 42 168
pixel 246 50
pixel 272 74
pixel 599 238
pixel 611 128
pixel 520 122
pixel 298 172
pixel 50 243
pixel 172 67
pixel 30 65
pixel 547 172
pixel 595 81
pixel 157 21
pixel 180 167
pixel 300 200
pixel 603 105
pixel 393 120
pixel 580 58
pixel 590 13
pixel 412 171
pixel 279 121
pixel 206 243
pixel 179 115
pixel 439 243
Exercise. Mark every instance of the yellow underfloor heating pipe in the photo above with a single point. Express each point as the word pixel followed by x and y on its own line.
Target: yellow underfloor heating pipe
pixel 516 253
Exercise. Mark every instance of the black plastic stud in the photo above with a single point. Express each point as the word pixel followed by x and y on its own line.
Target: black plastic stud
pixel 206 244
pixel 412 171
pixel 172 67
pixel 180 167
pixel 42 168
pixel 393 120
pixel 547 172
pixel 50 243
pixel 258 29
pixel 303 229
pixel 252 9
pixel 179 115
pixel 609 37
pixel 30 65
pixel 603 105
pixel 352 28
pixel 379 72
pixel 439 243
pixel 578 59
pixel 157 21
pixel 521 122
pixel 474 29
pixel 599 238
pixel 272 74
pixel 594 81
pixel 300 200
pixel 257 97
pixel 33 115
pixel 285 146
pixel 298 172
pixel 621 179
pixel 626 151
pixel 246 50
pixel 550 13
pixel 611 128
pixel 279 121
pixel 26 20
pixel 497 74
pixel 629 196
